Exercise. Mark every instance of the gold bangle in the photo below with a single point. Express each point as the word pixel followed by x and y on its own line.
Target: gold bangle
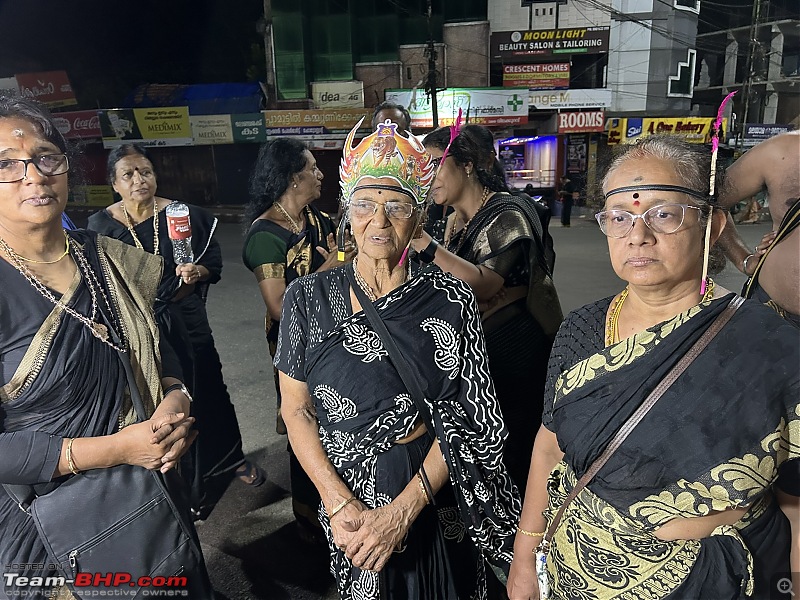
pixel 422 487
pixel 71 464
pixel 530 533
pixel 340 507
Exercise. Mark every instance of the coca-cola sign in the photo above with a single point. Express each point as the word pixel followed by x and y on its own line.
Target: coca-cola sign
pixel 51 88
pixel 80 124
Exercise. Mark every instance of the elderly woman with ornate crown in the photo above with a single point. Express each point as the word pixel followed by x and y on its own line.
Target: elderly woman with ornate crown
pixel 388 401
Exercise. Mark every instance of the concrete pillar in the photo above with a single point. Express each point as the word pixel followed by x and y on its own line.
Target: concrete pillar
pixel 731 56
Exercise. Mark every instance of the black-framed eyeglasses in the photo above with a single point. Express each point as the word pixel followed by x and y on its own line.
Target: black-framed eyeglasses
pixel 664 218
pixel 16 169
pixel 363 209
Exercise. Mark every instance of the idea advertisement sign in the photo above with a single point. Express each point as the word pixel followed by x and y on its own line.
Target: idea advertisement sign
pixel 581 122
pixel 518 45
pixel 482 106
pixel 337 94
pixel 79 124
pixel 541 76
pixel 51 88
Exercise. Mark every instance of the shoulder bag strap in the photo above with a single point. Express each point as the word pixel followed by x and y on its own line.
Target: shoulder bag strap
pixel 640 412
pixel 400 363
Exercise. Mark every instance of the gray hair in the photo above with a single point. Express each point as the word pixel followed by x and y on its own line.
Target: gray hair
pixel 692 162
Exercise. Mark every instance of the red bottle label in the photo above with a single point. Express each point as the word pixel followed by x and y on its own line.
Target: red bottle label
pixel 179 227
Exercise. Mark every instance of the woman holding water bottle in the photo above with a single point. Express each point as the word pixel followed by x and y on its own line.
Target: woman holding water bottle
pixel 182 234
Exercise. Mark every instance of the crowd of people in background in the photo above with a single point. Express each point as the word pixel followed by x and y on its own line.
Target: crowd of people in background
pixel 451 434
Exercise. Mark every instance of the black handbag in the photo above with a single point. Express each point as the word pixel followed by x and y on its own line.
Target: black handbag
pixel 126 527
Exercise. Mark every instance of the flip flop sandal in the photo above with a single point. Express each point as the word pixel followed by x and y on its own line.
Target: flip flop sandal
pixel 250 474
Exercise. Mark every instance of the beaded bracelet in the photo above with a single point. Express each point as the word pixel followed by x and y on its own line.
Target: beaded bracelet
pixel 70 463
pixel 530 533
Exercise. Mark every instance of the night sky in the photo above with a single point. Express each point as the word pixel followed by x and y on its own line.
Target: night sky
pixel 109 47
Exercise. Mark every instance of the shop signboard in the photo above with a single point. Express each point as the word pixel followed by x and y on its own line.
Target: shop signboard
pixel 329 120
pixel 211 129
pixel 570 99
pixel 481 106
pixel 337 94
pixel 697 130
pixel 79 124
pixel 581 122
pixel 754 133
pixel 249 127
pixel 167 126
pixel 522 45
pixel 8 86
pixel 538 76
pixel 92 195
pixel 51 88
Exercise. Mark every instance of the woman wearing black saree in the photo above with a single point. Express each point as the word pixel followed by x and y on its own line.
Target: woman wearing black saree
pixel 493 242
pixel 63 407
pixel 352 421
pixel 139 219
pixel 694 503
pixel 287 238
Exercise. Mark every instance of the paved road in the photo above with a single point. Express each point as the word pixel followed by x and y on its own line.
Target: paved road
pixel 249 541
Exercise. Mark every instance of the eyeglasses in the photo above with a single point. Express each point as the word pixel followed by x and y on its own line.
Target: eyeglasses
pixel 363 209
pixel 665 218
pixel 16 169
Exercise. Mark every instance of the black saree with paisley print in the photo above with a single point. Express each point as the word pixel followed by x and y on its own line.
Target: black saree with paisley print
pixel 363 408
pixel 716 440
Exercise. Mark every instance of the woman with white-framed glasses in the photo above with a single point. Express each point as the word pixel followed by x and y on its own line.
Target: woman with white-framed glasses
pixel 694 502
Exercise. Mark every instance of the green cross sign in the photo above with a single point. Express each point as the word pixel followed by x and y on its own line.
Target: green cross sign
pixel 515 102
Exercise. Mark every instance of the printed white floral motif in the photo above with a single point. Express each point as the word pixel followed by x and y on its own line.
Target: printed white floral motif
pixel 363 342
pixel 445 338
pixel 339 408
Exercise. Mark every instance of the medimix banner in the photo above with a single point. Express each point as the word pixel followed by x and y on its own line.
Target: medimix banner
pixel 541 76
pixel 211 129
pixel 518 45
pixel 482 106
pixel 168 126
pixel 51 88
pixel 697 130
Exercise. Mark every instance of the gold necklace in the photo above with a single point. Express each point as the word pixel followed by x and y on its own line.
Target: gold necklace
pixel 129 224
pixel 293 225
pixel 362 283
pixel 46 262
pixel 612 324
pixel 98 330
pixel 484 197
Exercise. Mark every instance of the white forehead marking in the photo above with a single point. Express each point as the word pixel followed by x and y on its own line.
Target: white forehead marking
pixel 17 132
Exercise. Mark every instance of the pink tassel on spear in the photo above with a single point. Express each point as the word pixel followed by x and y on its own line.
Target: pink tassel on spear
pixel 712 185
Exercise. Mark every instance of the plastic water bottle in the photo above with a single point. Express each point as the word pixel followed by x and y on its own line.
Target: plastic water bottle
pixel 180 231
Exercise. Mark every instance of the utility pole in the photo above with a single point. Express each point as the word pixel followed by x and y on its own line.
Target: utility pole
pixel 755 56
pixel 430 81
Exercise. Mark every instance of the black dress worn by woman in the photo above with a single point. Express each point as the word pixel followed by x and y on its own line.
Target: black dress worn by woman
pixel 217 452
pixel 505 236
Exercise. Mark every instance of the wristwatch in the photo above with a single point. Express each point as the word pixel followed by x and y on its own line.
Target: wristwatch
pixel 175 387
pixel 427 255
